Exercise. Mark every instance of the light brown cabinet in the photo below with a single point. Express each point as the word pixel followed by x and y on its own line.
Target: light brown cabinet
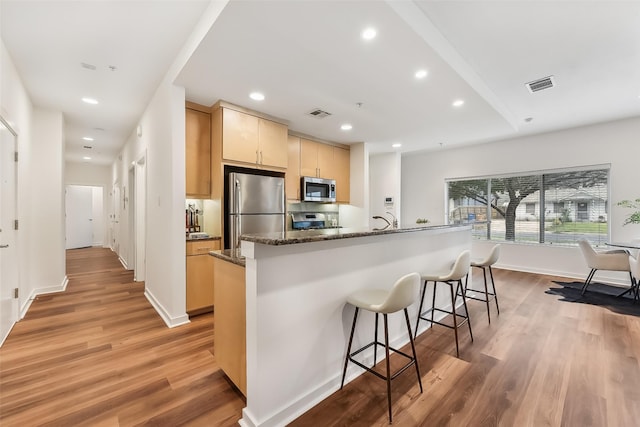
pixel 254 140
pixel 200 281
pixel 326 161
pixel 197 153
pixel 292 176
pixel 229 334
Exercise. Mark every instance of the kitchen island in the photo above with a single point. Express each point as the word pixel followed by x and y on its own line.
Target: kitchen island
pixel 297 321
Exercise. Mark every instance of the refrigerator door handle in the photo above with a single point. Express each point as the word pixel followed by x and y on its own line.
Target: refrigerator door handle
pixel 238 223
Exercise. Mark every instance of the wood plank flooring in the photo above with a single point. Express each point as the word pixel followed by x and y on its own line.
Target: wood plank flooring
pixel 99 355
pixel 541 362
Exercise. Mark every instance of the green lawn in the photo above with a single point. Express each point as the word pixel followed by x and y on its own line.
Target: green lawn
pixel 578 227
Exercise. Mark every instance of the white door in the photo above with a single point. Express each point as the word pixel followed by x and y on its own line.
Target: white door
pixel 115 218
pixel 8 216
pixel 79 219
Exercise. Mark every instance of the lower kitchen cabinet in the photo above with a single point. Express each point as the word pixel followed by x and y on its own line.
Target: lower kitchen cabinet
pixel 200 295
pixel 229 333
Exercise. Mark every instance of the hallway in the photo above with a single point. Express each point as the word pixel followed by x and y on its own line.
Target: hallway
pixel 98 354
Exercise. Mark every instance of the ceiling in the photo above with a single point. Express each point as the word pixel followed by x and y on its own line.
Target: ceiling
pixel 307 55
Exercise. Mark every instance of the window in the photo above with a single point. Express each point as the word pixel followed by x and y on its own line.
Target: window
pixel 556 207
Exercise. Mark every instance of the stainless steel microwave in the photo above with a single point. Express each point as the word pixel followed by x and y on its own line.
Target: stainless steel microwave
pixel 318 189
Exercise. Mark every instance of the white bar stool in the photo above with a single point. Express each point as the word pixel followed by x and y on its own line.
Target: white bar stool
pixel 380 301
pixel 452 278
pixel 485 264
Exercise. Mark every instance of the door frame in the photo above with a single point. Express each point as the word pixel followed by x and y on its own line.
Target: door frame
pixel 14 310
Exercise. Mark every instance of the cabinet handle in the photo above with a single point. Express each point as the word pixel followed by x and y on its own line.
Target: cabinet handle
pixel 257 160
pixel 260 157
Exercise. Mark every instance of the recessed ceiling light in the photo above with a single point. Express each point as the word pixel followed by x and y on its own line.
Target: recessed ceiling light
pixel 346 126
pixel 256 96
pixel 86 158
pixel 421 74
pixel 87 138
pixel 369 33
pixel 458 103
pixel 91 101
pixel 396 145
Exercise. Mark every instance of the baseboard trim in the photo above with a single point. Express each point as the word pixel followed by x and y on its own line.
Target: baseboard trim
pixel 171 322
pixel 298 407
pixel 123 262
pixel 41 291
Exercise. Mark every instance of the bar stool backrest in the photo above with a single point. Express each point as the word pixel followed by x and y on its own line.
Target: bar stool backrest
pixel 403 293
pixel 493 256
pixel 460 267
pixel 634 266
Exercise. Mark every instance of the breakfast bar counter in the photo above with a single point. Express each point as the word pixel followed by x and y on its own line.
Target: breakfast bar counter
pixel 297 319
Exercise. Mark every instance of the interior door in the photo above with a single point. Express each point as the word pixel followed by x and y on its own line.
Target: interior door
pixel 8 216
pixel 79 216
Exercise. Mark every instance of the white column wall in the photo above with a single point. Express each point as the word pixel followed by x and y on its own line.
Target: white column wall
pixel 616 143
pixel 384 181
pixel 47 231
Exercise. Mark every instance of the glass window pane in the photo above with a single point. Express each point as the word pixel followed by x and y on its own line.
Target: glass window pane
pixel 583 199
pixel 517 208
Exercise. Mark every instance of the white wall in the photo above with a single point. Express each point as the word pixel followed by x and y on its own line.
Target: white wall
pixel 384 181
pixel 615 143
pixel 40 195
pixel 47 196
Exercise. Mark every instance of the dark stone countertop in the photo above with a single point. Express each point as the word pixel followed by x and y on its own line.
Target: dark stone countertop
pixel 307 236
pixel 188 239
pixel 227 255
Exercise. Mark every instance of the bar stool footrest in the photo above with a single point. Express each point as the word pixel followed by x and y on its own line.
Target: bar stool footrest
pixel 411 362
pixel 465 318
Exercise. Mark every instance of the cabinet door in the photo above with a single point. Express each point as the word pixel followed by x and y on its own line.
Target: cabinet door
pixel 199 282
pixel 197 153
pixel 292 177
pixel 240 136
pixel 308 158
pixel 342 162
pixel 272 138
pixel 326 166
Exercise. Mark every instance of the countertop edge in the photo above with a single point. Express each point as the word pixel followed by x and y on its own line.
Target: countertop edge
pixel 225 256
pixel 336 234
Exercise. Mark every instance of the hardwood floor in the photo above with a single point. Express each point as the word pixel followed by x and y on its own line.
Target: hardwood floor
pixel 99 355
pixel 541 362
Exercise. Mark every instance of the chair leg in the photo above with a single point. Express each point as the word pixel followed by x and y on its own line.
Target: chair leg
pixel 346 359
pixel 375 346
pixel 466 311
pixel 588 281
pixel 433 300
pixel 486 293
pixel 455 322
pixel 386 347
pixel 413 348
pixel 424 290
pixel 495 293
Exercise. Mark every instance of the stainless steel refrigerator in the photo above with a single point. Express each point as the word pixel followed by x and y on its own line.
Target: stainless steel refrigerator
pixel 256 205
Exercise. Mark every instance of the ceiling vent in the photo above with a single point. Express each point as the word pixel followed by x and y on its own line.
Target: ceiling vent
pixel 540 84
pixel 318 113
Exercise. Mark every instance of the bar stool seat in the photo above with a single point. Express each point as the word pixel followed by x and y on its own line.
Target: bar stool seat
pixel 380 301
pixel 452 277
pixel 485 264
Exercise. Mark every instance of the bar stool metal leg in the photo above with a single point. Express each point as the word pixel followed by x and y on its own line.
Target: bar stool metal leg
pixel 346 359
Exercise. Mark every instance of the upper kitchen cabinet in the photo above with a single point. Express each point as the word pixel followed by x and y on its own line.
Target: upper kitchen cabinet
pixel 197 151
pixel 342 162
pixel 250 139
pixel 316 159
pixel 292 177
pixel 326 161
